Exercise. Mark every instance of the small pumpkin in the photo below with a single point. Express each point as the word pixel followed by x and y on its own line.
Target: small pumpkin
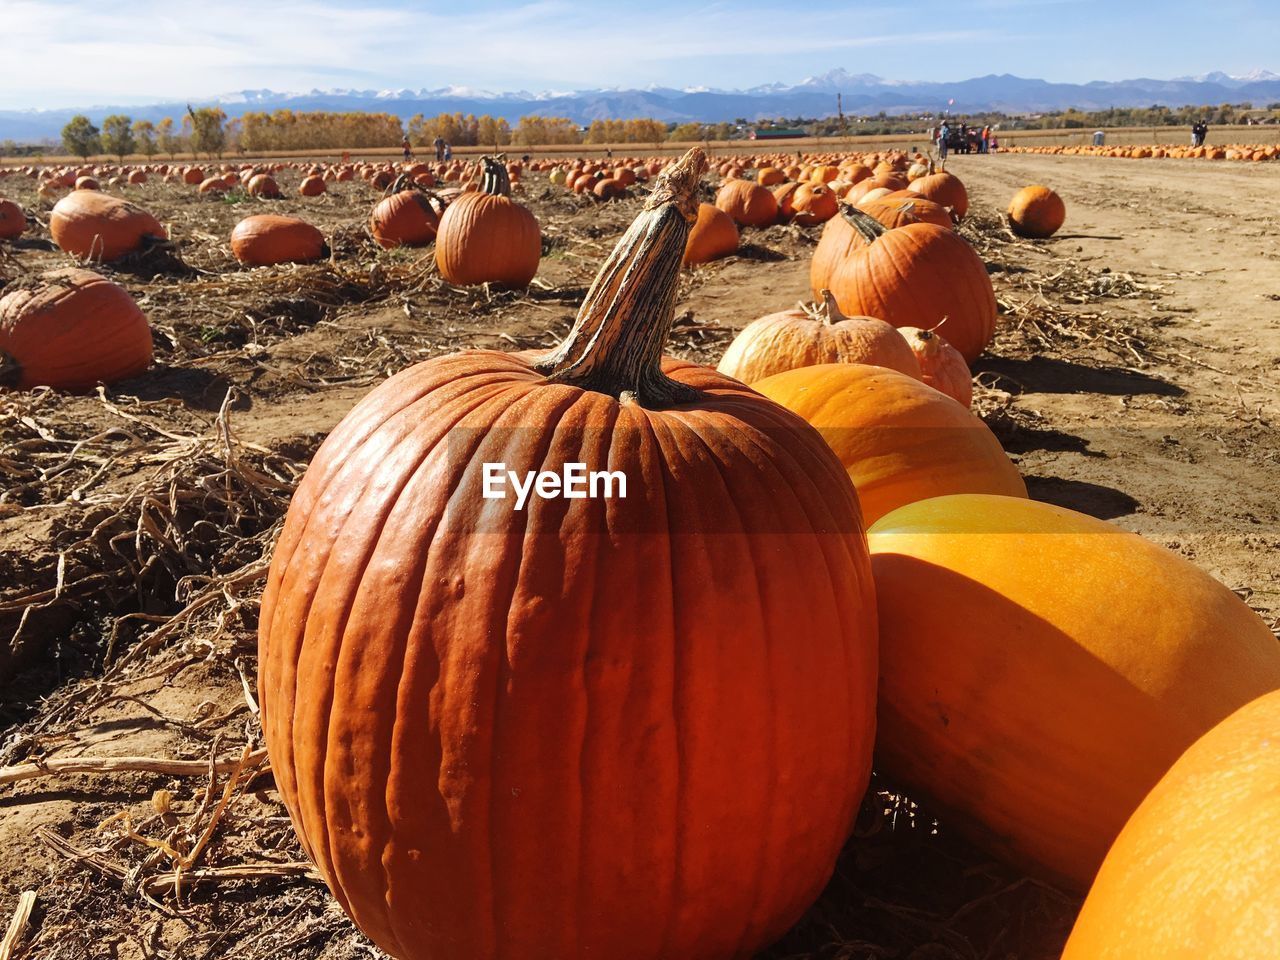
pixel 312 186
pixel 13 221
pixel 407 217
pixel 811 335
pixel 899 439
pixel 941 365
pixel 72 331
pixel 1042 669
pixel 1036 212
pixel 457 696
pixel 1194 873
pixel 813 203
pixel 713 235
pixel 748 203
pixel 944 189
pixel 912 276
pixel 94 226
pixel 486 237
pixel 266 239
pixel 263 186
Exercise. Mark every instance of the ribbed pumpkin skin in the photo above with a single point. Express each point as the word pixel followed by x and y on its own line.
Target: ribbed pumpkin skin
pixel 837 242
pixel 790 339
pixel 268 238
pixel 1194 874
pixel 486 238
pixel 748 203
pixel 74 331
pixel 900 440
pixel 263 185
pixel 13 222
pixel 94 226
pixel 915 276
pixel 1036 212
pixel 945 189
pixel 632 728
pixel 1041 670
pixel 941 365
pixel 713 235
pixel 895 212
pixel 406 218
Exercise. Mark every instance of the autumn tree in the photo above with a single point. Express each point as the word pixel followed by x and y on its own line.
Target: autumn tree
pixel 168 140
pixel 206 130
pixel 117 136
pixel 535 130
pixel 80 137
pixel 144 135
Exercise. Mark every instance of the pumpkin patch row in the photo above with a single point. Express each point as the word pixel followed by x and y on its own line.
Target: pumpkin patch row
pixel 1255 152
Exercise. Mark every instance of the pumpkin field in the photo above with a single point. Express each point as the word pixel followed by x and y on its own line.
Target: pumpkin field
pixel 944 581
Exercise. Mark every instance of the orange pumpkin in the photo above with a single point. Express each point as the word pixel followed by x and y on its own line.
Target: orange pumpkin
pixel 895 212
pixel 1036 212
pixel 267 239
pixel 912 276
pixel 1042 669
pixel 1194 873
pixel 312 186
pixel 813 203
pixel 808 336
pixel 486 237
pixel 944 189
pixel 713 235
pixel 748 203
pixel 941 365
pixel 94 226
pixel 900 440
pixel 73 331
pixel 13 222
pixel 406 218
pixel 457 698
pixel 263 186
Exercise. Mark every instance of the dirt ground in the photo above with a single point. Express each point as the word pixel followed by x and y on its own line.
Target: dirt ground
pixel 1133 378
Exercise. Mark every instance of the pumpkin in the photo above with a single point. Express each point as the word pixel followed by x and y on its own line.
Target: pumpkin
pixel 486 237
pixel 944 189
pixel 812 204
pixel 213 185
pixel 72 331
pixel 749 204
pixel 1041 669
pixel 94 226
pixel 87 183
pixel 312 186
pixel 266 239
pixel 713 235
pixel 13 222
pixel 912 276
pixel 476 713
pixel 1036 212
pixel 192 176
pixel 405 218
pixel 811 335
pixel 941 365
pixel 770 176
pixel 899 439
pixel 1194 873
pixel 895 212
pixel 264 186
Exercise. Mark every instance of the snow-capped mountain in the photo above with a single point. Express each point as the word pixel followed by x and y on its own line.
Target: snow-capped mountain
pixel 815 96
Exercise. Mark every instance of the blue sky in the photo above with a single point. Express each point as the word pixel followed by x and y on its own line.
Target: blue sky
pixel 79 53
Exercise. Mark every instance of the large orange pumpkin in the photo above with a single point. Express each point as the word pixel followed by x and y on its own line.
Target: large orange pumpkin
pixel 899 439
pixel 1036 212
pixel 633 727
pixel 749 204
pixel 13 222
pixel 73 331
pixel 94 226
pixel 944 189
pixel 807 336
pixel 267 239
pixel 406 218
pixel 1042 669
pixel 1195 873
pixel 912 276
pixel 486 237
pixel 713 235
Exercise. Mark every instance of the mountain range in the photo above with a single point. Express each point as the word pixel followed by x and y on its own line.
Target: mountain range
pixel 862 94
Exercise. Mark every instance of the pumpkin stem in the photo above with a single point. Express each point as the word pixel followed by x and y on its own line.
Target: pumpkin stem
pixel 868 226
pixel 831 314
pixel 616 343
pixel 495 181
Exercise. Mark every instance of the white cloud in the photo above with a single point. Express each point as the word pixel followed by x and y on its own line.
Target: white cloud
pixel 77 53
